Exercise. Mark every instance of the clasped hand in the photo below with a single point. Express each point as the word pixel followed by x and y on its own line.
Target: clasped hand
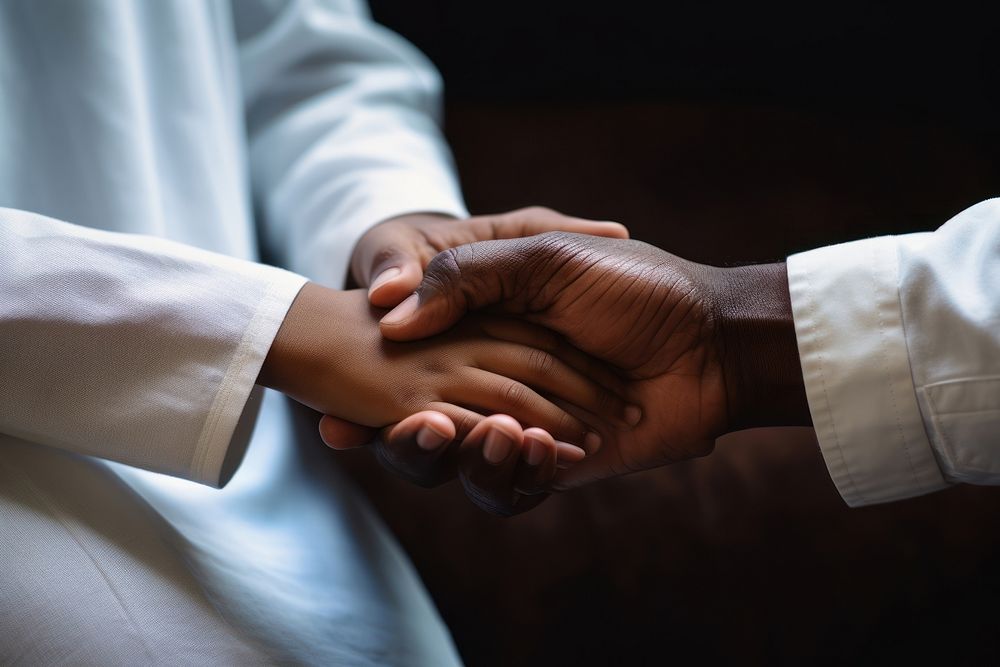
pixel 330 355
pixel 637 356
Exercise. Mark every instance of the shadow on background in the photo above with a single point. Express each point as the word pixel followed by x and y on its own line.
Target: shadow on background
pixel 723 133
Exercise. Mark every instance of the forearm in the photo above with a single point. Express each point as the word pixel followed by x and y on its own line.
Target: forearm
pixel 758 348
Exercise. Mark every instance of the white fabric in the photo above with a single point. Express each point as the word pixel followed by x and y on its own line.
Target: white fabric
pixel 342 118
pixel 129 117
pixel 88 576
pixel 899 339
pixel 131 347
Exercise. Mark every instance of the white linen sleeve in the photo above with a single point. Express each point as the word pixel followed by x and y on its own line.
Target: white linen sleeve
pixel 132 348
pixel 342 116
pixel 899 339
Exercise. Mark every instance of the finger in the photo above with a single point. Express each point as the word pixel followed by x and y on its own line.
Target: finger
pixel 538 463
pixel 338 433
pixel 533 335
pixel 543 371
pixel 463 419
pixel 510 275
pixel 455 280
pixel 566 454
pixel 417 448
pixel 395 282
pixel 488 464
pixel 539 220
pixel 606 463
pixel 390 264
pixel 494 393
pixel 570 454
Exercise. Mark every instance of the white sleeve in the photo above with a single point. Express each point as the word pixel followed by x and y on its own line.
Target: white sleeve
pixel 132 348
pixel 899 339
pixel 343 123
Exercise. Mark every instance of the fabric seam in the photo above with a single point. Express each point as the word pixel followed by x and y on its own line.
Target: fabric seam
pixel 887 366
pixel 814 328
pixel 221 405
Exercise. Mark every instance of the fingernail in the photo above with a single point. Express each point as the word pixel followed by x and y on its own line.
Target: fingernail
pixel 497 447
pixel 633 415
pixel 430 439
pixel 567 453
pixel 591 442
pixel 384 277
pixel 402 311
pixel 536 452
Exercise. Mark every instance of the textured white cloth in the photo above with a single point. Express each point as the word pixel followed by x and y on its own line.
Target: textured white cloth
pixel 155 128
pixel 131 347
pixel 899 339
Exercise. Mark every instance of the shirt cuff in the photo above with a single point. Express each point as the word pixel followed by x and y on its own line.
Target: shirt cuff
pixel 849 327
pixel 228 426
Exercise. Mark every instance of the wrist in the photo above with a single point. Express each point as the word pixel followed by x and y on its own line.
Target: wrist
pixel 758 348
pixel 293 362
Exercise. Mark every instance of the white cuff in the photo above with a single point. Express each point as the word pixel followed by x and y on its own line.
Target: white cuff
pixel 226 432
pixel 848 322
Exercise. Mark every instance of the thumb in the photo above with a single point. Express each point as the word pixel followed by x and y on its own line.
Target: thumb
pixel 395 275
pixel 455 281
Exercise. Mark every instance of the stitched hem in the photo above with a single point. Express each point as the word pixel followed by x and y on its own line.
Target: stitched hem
pixel 227 407
pixel 855 364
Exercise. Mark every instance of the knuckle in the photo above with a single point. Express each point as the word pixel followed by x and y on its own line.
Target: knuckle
pixel 541 362
pixel 513 393
pixel 463 274
pixel 443 271
pixel 464 423
pixel 570 425
pixel 385 255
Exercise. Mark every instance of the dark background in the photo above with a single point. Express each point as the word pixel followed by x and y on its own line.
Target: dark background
pixel 725 132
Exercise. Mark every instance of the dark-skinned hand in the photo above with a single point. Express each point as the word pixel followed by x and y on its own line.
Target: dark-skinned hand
pixel 698 345
pixel 389 260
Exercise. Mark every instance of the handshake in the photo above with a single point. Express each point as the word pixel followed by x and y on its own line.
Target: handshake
pixel 532 352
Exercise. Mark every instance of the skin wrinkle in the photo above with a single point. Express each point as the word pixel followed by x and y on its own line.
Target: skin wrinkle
pixel 588 292
pixel 538 301
pixel 628 285
pixel 649 309
pixel 646 327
